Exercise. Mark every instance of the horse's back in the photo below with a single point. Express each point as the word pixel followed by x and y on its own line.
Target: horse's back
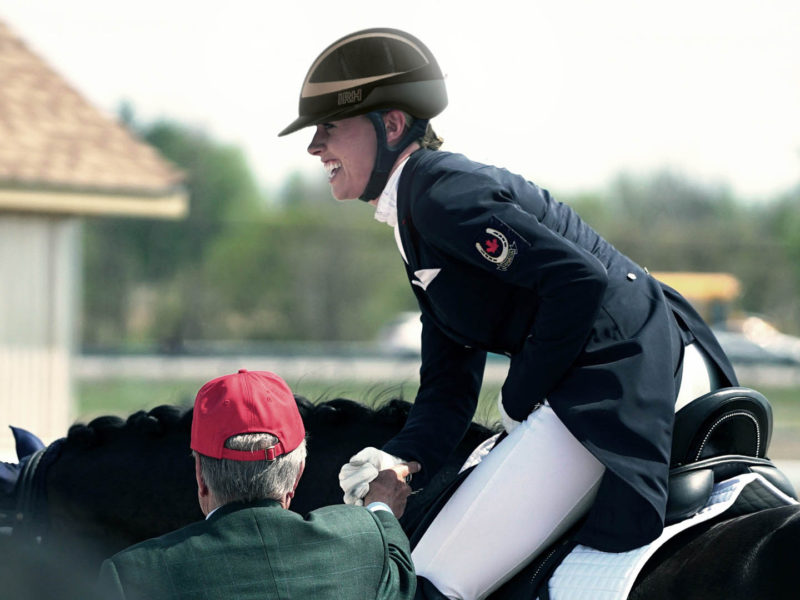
pixel 751 556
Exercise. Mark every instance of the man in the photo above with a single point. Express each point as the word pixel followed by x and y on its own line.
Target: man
pixel 248 442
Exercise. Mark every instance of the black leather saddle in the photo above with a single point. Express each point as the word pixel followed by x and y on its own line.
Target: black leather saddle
pixel 718 436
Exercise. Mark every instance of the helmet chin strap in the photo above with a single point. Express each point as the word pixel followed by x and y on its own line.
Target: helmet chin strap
pixel 386 155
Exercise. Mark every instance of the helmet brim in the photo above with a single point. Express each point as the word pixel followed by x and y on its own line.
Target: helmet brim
pixel 307 120
pixel 298 124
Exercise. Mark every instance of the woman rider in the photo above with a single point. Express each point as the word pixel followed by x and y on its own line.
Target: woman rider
pixel 601 353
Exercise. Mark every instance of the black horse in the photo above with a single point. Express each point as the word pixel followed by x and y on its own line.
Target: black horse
pixel 115 482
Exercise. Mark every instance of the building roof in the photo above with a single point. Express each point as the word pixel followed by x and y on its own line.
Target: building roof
pixel 58 153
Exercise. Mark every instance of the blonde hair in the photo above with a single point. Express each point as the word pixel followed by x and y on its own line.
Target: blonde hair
pixel 429 140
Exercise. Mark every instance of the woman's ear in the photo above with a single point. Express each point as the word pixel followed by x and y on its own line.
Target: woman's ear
pixel 395 123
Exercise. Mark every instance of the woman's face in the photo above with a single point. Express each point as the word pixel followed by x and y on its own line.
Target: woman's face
pixel 347 149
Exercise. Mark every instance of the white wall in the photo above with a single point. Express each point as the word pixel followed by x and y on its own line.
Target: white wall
pixel 39 283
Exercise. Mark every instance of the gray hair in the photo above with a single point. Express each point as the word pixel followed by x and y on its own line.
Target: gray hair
pixel 252 480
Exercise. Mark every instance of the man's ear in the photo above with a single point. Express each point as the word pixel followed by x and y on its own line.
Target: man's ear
pixel 299 475
pixel 395 123
pixel 287 499
pixel 202 487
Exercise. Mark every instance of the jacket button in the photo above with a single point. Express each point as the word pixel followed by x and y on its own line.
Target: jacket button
pixel 631 276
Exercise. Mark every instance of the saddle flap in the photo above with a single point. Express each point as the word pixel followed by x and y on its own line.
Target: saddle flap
pixel 689 491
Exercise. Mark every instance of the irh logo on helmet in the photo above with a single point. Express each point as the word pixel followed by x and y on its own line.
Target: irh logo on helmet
pixel 349 97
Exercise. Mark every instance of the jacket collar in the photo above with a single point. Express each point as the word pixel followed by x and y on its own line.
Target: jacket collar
pixel 404 224
pixel 226 509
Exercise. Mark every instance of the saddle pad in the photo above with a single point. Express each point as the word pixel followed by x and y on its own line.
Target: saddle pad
pixel 588 574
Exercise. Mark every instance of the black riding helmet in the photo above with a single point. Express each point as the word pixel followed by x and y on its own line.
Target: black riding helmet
pixel 368 72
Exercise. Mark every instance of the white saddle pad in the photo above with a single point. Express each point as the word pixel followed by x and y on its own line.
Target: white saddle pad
pixel 588 574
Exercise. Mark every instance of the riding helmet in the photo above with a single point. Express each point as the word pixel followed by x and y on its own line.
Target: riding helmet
pixel 371 70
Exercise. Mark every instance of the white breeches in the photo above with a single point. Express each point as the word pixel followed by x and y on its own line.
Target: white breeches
pixel 505 512
pixel 699 376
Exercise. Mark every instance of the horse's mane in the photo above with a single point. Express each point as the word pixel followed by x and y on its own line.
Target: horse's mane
pixel 155 423
pixel 168 419
pixel 343 411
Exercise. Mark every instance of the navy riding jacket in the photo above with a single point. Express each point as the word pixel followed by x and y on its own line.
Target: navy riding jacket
pixel 497 265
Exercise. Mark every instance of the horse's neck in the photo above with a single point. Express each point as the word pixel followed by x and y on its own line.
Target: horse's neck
pixel 107 492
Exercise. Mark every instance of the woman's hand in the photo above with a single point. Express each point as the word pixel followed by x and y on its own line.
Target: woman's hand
pixel 356 475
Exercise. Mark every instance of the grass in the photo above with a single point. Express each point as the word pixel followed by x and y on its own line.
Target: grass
pixel 785 403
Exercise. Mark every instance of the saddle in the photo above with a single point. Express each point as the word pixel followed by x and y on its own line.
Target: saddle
pixel 717 436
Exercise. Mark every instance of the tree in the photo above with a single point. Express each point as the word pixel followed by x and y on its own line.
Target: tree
pixel 302 277
pixel 668 223
pixel 145 257
pixel 782 221
pixel 306 267
pixel 303 268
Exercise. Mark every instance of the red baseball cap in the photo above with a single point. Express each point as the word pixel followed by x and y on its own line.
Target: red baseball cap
pixel 245 402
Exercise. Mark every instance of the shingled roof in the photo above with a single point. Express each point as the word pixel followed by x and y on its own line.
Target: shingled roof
pixel 60 154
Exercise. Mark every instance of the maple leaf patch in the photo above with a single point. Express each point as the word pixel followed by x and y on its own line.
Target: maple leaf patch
pixel 494 247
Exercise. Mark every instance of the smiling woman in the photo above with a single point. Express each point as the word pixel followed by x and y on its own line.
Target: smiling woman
pixel 596 344
pixel 347 151
pixel 379 76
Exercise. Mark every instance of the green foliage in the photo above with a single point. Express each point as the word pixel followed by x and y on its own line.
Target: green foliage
pixel 221 188
pixel 299 277
pixel 781 222
pixel 310 268
pixel 138 282
pixel 668 223
pixel 306 267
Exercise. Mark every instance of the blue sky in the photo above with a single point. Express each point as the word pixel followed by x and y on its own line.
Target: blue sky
pixel 568 93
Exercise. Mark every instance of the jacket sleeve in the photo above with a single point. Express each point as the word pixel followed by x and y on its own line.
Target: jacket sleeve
pixel 399 580
pixel 450 383
pixel 568 281
pixel 109 587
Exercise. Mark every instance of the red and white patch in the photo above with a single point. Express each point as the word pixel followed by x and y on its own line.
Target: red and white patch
pixel 494 247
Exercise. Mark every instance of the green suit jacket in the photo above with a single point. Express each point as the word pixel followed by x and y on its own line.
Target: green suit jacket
pixel 263 551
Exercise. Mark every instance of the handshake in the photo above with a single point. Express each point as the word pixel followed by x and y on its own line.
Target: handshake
pixel 373 475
